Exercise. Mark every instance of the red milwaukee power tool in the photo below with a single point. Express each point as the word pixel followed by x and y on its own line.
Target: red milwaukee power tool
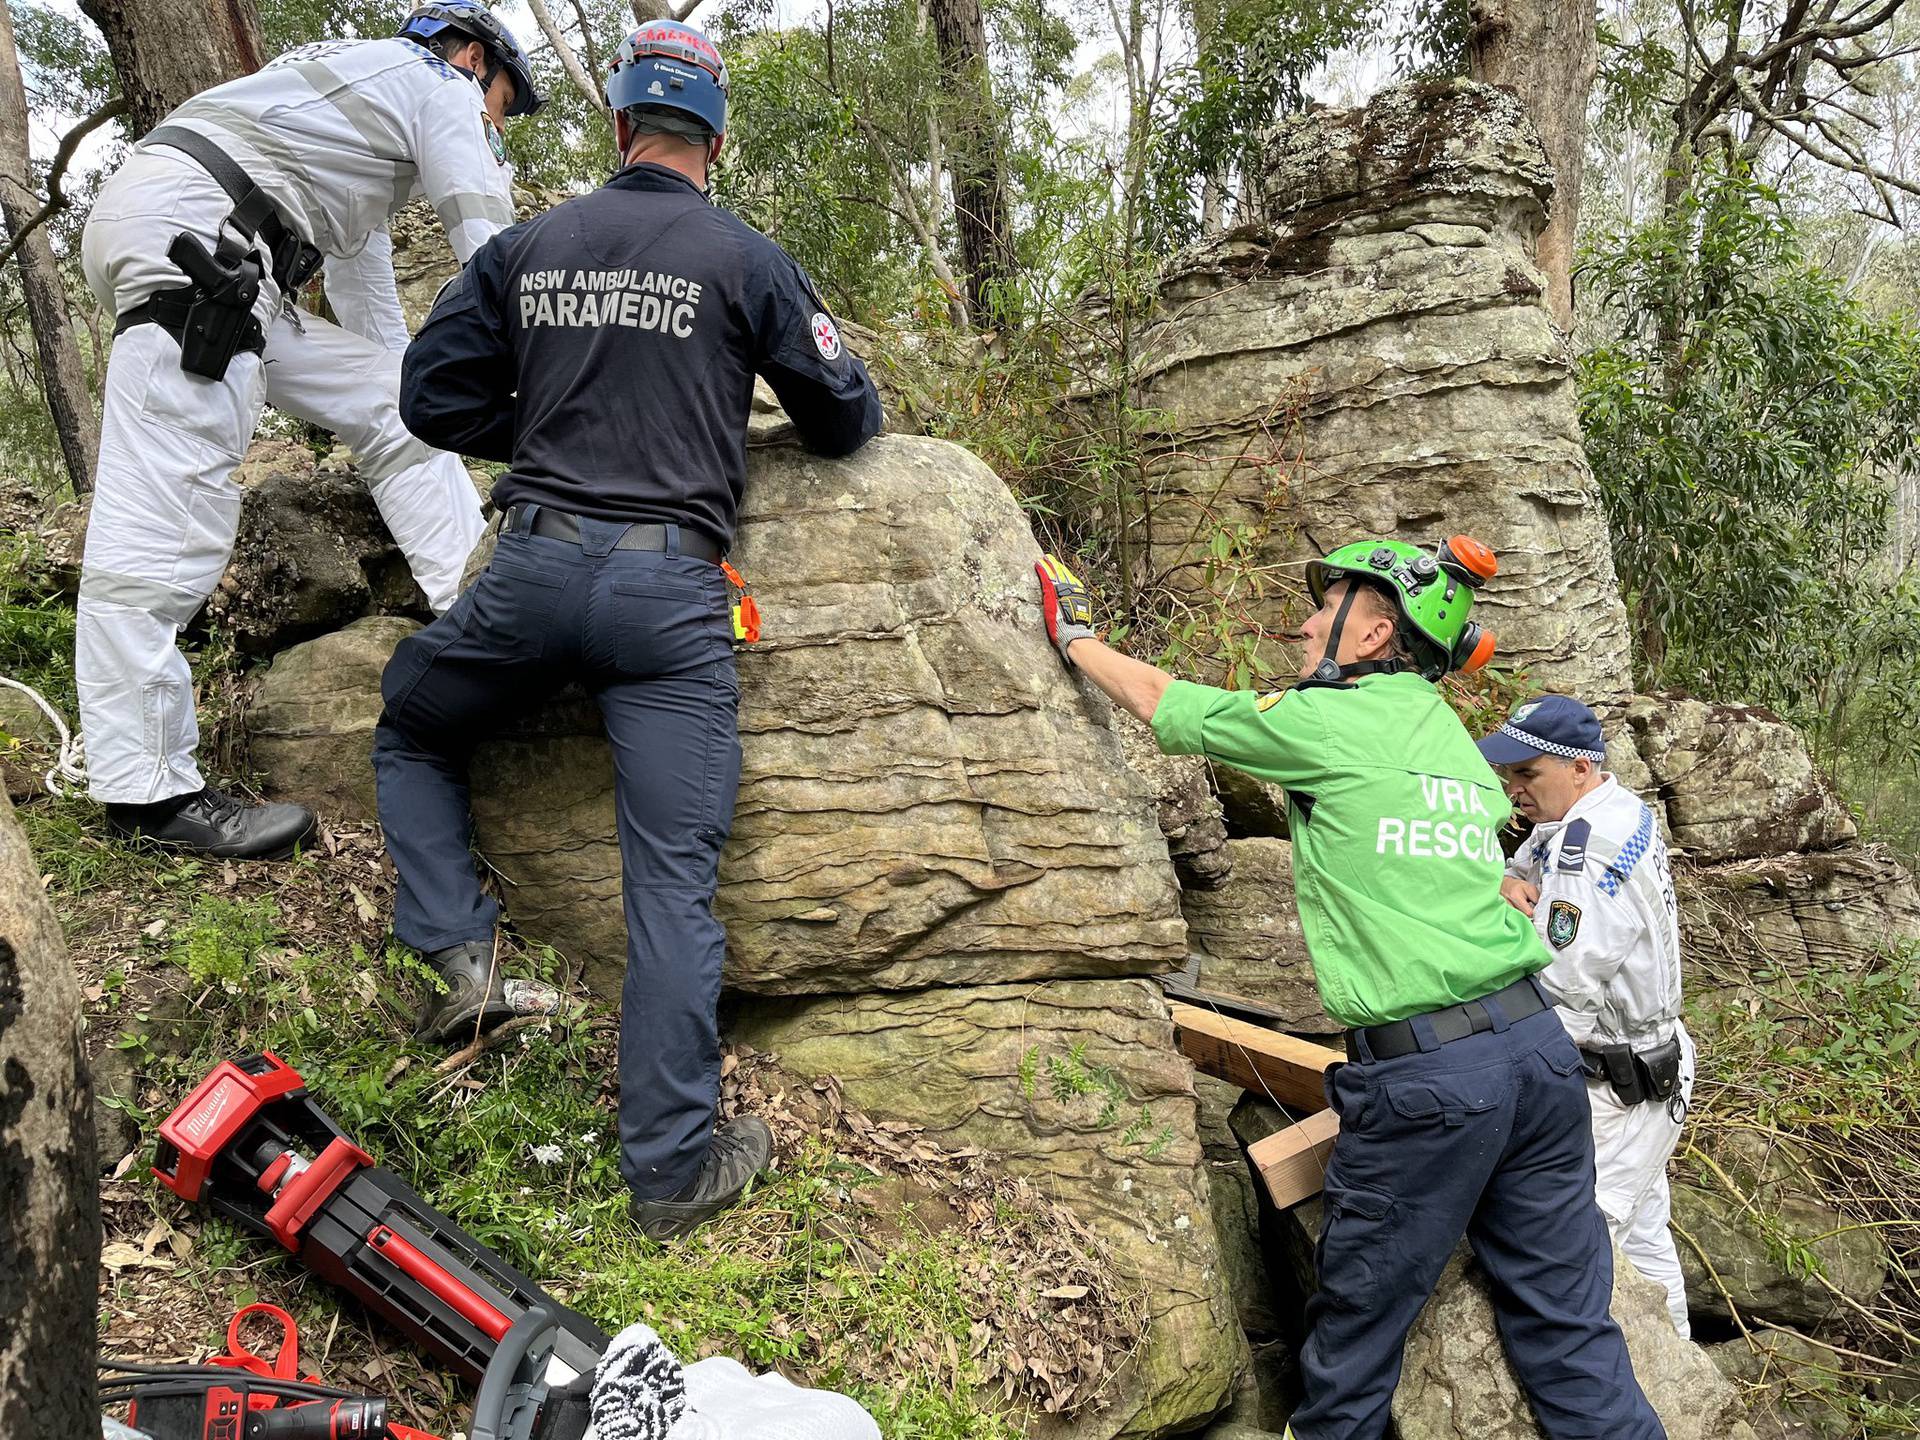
pixel 250 1142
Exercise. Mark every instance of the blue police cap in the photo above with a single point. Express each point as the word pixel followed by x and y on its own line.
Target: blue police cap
pixel 1552 725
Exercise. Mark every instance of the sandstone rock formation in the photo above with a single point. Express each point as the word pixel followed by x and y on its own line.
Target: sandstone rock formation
pixel 926 797
pixel 311 555
pixel 1076 1081
pixel 313 713
pixel 1374 358
pixel 1736 781
pixel 1836 912
pixel 1457 1386
pixel 929 803
pixel 1750 1264
pixel 1190 815
pixel 1248 940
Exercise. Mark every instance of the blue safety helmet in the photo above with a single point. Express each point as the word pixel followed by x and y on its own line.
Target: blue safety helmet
pixel 667 65
pixel 474 20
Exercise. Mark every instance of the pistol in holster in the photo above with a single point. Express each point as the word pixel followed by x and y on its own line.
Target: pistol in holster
pixel 218 322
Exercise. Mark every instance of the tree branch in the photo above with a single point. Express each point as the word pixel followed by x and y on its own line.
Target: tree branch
pixel 570 62
pixel 56 198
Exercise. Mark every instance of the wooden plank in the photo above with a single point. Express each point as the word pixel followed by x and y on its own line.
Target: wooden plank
pixel 1254 1058
pixel 1293 1161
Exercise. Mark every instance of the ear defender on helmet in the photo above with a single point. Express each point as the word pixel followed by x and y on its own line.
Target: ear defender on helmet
pixel 1473 649
pixel 1468 559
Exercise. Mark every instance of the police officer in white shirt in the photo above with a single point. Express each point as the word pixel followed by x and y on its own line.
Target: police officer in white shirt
pixel 197 245
pixel 1595 878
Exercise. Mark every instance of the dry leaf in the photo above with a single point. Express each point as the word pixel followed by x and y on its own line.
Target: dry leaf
pixel 121 1256
pixel 1065 1292
pixel 363 906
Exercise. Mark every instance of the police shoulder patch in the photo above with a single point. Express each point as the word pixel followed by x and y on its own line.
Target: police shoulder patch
pixel 1563 923
pixel 496 142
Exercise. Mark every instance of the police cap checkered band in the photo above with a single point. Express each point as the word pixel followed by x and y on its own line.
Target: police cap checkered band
pixel 1549 747
pixel 1552 725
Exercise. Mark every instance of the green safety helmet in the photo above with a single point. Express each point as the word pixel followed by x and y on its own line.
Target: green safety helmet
pixel 1433 593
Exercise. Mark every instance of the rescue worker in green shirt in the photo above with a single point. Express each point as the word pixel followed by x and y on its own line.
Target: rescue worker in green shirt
pixel 1463 1105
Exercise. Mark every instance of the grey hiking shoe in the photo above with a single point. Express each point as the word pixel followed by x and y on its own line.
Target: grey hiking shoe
pixel 471 1005
pixel 740 1151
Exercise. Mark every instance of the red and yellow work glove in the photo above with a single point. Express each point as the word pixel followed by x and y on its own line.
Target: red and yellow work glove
pixel 1064 604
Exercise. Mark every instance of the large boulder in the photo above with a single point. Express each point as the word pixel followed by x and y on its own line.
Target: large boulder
pixel 1827 914
pixel 311 554
pixel 1373 357
pixel 1247 936
pixel 927 798
pixel 1807 1395
pixel 1236 1209
pixel 1189 812
pixel 1077 1084
pixel 1456 1384
pixel 1780 1256
pixel 1737 781
pixel 312 714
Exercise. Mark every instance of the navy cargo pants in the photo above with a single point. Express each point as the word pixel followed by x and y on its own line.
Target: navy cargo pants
pixel 648 635
pixel 1487 1137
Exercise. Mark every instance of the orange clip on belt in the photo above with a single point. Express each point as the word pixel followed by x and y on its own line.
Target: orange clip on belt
pixel 746 614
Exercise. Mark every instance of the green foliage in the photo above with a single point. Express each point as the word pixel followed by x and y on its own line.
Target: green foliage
pixel 1250 67
pixel 223 938
pixel 1746 424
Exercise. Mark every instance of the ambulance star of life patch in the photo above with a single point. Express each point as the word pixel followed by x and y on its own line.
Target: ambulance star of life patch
pixel 1563 923
pixel 826 339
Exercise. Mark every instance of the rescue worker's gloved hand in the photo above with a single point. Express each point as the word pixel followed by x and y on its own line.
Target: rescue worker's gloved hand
pixel 1064 604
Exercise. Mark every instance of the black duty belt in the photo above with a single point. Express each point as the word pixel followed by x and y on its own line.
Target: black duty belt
pixel 1455 1022
pixel 254 214
pixel 550 524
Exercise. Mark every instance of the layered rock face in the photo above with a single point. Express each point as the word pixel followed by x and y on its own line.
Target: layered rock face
pixel 1374 358
pixel 925 799
pixel 1074 1081
pixel 936 833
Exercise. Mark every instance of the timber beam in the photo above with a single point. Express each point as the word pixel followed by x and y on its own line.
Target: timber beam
pixel 1292 1162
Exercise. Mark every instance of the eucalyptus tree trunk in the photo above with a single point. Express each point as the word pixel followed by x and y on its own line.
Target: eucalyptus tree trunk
pixel 1546 52
pixel 974 153
pixel 62 376
pixel 166 51
pixel 49 1194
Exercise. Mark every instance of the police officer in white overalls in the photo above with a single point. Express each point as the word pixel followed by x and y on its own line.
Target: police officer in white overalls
pixel 1594 876
pixel 196 246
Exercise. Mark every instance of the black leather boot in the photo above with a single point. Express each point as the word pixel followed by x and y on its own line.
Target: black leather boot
pixel 212 822
pixel 740 1151
pixel 475 1000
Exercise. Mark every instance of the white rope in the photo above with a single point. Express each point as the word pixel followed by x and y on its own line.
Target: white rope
pixel 70 766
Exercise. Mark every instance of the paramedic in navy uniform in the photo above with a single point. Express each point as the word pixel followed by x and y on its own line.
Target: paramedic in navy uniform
pixel 607 351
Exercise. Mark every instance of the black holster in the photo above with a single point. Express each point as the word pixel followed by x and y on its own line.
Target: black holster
pixel 212 317
pixel 218 321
